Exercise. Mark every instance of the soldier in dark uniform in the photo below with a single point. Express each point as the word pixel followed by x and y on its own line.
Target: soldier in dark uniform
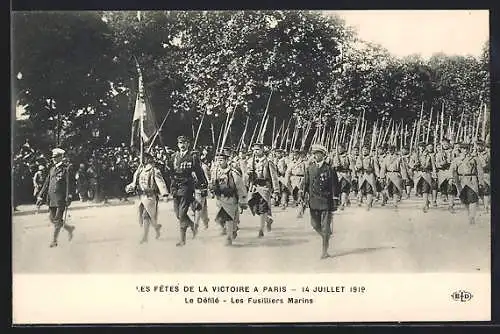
pixel 182 164
pixel 321 184
pixel 57 192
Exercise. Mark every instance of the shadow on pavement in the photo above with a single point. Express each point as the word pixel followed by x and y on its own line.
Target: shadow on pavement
pixel 242 243
pixel 99 241
pixel 361 251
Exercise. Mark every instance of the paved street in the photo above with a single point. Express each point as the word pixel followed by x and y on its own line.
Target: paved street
pixel 379 241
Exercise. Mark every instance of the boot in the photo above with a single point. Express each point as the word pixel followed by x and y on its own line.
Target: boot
pixel 182 241
pixel 57 229
pixel 269 222
pixel 157 230
pixel 70 230
pixel 325 244
pixel 261 233
pixel 194 228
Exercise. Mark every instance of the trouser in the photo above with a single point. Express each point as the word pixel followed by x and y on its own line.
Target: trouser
pixel 56 216
pixel 203 213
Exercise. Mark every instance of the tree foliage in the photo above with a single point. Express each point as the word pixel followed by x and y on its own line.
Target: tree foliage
pixel 208 65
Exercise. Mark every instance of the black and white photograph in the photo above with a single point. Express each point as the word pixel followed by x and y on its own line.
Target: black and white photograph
pixel 251 143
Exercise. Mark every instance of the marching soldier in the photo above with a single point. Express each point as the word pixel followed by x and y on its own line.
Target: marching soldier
pixel 468 175
pixel 202 212
pixel 424 176
pixel 355 177
pixel 293 179
pixel 182 164
pixel 148 183
pixel 231 194
pixel 405 159
pixel 57 192
pixel 38 180
pixel 484 158
pixel 263 181
pixel 282 165
pixel 393 172
pixel 445 185
pixel 365 167
pixel 344 166
pixel 321 184
pixel 379 159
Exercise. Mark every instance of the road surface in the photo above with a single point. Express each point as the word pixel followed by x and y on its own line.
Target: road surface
pixel 383 240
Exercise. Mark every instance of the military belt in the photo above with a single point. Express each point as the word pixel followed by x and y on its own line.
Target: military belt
pixel 466 174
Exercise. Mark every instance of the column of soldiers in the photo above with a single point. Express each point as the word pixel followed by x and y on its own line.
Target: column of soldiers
pixel 262 180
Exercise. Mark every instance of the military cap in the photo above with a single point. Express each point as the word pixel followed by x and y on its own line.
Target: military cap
pixel 319 148
pixel 295 150
pixel 57 152
pixel 182 139
pixel 223 153
pixel 258 145
pixel 41 167
pixel 147 154
pixel 421 144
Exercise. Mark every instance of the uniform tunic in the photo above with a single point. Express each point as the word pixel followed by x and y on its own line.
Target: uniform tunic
pixel 424 169
pixel 443 162
pixel 148 182
pixel 365 167
pixel 295 174
pixel 263 179
pixel 56 190
pixel 468 176
pixel 183 183
pixel 321 183
pixel 484 159
pixel 230 190
pixel 394 170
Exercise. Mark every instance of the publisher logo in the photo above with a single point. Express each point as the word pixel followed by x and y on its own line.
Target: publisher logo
pixel 461 296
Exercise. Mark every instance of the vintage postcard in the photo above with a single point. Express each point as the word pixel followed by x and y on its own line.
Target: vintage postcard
pixel 251 166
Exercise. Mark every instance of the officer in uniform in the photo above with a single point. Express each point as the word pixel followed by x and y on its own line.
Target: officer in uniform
pixel 202 212
pixel 263 181
pixel 321 184
pixel 57 192
pixel 344 166
pixel 293 179
pixel 231 194
pixel 365 167
pixel 425 175
pixel 393 172
pixel 182 165
pixel 469 178
pixel 148 183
